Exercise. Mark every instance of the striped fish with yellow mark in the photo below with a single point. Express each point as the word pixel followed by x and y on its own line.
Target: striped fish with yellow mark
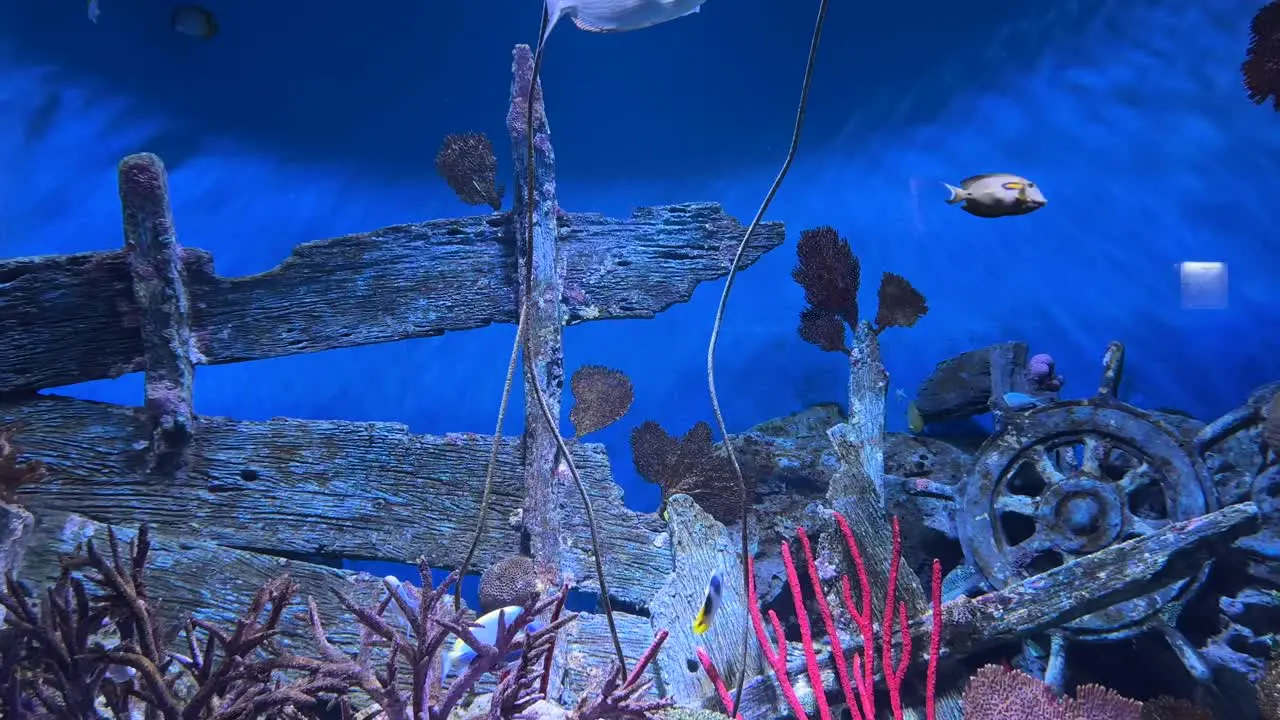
pixel 710 604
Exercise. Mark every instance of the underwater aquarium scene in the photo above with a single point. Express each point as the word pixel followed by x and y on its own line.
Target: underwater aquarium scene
pixel 639 360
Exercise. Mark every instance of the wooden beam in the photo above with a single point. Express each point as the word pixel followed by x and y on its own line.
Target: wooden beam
pixel 160 291
pixel 857 492
pixel 66 319
pixel 292 487
pixel 547 488
pixel 214 583
pixel 1050 600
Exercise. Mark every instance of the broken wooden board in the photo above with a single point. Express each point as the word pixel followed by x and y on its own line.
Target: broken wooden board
pixel 1052 599
pixel 215 584
pixel 66 319
pixel 286 487
pixel 962 386
pixel 700 547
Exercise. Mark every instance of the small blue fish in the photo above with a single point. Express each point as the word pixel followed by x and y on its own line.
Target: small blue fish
pixel 710 605
pixel 460 654
pixel 1022 401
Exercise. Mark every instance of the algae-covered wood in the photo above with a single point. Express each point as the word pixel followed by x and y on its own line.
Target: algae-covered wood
pixel 350 489
pixel 1050 600
pixel 70 318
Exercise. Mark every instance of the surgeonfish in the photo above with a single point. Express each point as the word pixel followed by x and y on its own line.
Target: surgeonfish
pixel 617 15
pixel 915 421
pixel 710 604
pixel 996 195
pixel 1022 401
pixel 460 653
pixel 195 21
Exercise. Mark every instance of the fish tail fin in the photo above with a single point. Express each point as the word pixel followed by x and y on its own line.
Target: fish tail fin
pixel 555 10
pixel 701 623
pixel 957 194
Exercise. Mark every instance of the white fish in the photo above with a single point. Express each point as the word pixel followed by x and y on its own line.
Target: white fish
pixel 617 15
pixel 996 195
pixel 94 11
pixel 710 604
pixel 460 654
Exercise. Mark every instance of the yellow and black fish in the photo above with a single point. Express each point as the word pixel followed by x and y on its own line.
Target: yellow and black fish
pixel 710 604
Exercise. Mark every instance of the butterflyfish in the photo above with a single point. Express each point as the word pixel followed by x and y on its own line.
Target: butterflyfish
pixel 710 604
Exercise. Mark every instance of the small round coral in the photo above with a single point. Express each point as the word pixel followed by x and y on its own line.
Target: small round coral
pixel 510 581
pixel 1040 374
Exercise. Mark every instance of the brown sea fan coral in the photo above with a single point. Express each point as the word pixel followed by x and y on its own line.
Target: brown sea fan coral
pixel 1261 67
pixel 13 472
pixel 829 272
pixel 901 305
pixel 689 465
pixel 466 161
pixel 601 396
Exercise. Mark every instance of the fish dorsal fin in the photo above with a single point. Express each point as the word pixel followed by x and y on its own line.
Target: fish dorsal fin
pixel 589 27
pixel 965 183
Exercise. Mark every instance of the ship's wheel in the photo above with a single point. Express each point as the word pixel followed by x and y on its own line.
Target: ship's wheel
pixel 1068 479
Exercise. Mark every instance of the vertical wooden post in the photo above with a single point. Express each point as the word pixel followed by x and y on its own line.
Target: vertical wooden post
pixel 857 490
pixel 159 287
pixel 547 489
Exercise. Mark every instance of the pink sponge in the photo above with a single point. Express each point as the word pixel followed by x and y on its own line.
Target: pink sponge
pixel 1040 374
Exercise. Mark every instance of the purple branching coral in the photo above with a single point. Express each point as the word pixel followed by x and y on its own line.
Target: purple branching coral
pixel 91 642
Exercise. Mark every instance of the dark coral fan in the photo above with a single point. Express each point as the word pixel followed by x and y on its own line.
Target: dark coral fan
pixel 13 472
pixel 1261 67
pixel 601 396
pixel 689 465
pixel 901 305
pixel 466 161
pixel 829 272
pixel 824 329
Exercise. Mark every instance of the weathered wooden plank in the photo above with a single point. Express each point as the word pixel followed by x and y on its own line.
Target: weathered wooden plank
pixel 857 491
pixel 547 489
pixel 70 318
pixel 214 583
pixel 589 653
pixel 359 490
pixel 206 580
pixel 159 289
pixel 700 547
pixel 1050 600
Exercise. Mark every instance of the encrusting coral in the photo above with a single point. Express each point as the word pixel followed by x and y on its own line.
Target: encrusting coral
pixel 91 646
pixel 13 472
pixel 510 581
pixel 689 465
pixel 1261 67
pixel 466 161
pixel 831 275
